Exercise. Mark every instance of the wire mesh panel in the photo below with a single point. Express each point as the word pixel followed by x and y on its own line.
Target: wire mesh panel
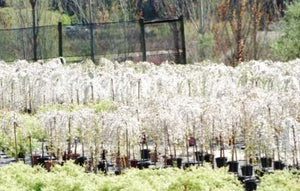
pixel 16 44
pixel 119 41
pixel 154 41
pixel 163 41
pixel 76 41
pixel 47 38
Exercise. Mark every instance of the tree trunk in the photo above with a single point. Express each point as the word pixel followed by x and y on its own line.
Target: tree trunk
pixel 239 48
pixel 201 17
pixel 16 144
pixel 69 139
pixel 295 153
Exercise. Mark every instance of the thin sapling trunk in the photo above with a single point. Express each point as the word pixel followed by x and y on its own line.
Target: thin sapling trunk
pixel 69 139
pixel 139 89
pixel 77 97
pixel 30 150
pixel 195 144
pixel 295 153
pixel 112 89
pixel 92 92
pixel 16 143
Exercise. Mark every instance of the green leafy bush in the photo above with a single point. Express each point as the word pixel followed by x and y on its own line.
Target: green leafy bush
pixel 65 19
pixel 18 176
pixel 205 179
pixel 104 106
pixel 281 181
pixel 288 46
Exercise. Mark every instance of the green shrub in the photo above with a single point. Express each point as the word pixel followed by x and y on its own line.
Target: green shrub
pixel 206 46
pixel 65 19
pixel 5 17
pixel 281 181
pixel 205 179
pixel 19 176
pixel 288 46
pixel 75 20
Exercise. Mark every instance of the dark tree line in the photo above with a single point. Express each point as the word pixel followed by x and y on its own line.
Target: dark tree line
pixel 151 9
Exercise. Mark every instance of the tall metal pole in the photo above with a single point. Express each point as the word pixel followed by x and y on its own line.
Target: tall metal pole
pixel 60 48
pixel 142 39
pixel 181 20
pixel 91 32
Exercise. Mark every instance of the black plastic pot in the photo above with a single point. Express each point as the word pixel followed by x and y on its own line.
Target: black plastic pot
pixel 278 165
pixel 134 163
pixel 41 161
pixel 250 184
pixel 233 166
pixel 35 159
pixel 145 154
pixel 199 156
pixel 21 155
pixel 169 162
pixel 209 158
pixel 80 161
pixel 221 161
pixel 142 165
pixel 178 162
pixel 242 178
pixel 102 165
pixel 247 170
pixel 266 162
pixel 187 165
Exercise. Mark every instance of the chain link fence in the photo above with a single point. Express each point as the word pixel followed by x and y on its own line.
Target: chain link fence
pixel 153 41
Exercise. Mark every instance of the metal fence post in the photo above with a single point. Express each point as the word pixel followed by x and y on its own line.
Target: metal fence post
pixel 33 3
pixel 60 49
pixel 142 39
pixel 182 39
pixel 176 37
pixel 92 41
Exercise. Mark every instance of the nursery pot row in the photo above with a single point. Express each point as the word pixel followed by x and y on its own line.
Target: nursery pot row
pixel 267 162
pixel 145 154
pixel 247 170
pixel 200 157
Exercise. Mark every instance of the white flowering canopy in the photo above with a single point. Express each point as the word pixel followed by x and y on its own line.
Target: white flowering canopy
pixel 259 100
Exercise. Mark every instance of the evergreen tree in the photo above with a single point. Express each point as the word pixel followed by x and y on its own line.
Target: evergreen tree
pixel 288 46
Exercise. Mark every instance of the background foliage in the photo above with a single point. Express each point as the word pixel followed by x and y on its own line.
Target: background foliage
pixel 288 46
pixel 220 30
